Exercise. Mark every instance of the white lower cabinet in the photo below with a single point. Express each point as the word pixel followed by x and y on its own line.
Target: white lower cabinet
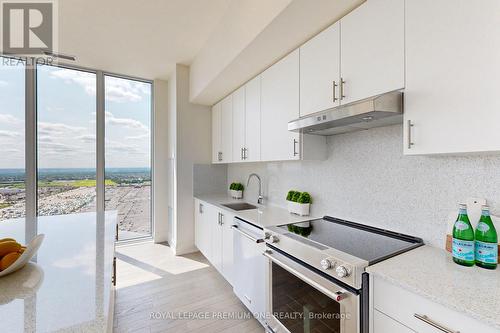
pixel 398 310
pixel 214 237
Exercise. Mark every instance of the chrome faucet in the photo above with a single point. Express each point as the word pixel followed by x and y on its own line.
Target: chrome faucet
pixel 261 198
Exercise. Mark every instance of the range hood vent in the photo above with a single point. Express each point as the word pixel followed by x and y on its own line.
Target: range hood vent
pixel 381 110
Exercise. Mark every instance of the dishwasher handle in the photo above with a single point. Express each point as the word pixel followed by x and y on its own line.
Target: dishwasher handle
pixel 253 239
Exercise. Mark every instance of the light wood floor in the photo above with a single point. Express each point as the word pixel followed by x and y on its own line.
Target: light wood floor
pixel 152 282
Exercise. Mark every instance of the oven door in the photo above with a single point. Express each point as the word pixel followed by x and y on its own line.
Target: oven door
pixel 302 301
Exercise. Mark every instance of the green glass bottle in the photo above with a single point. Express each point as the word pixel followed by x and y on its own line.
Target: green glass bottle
pixel 463 239
pixel 486 241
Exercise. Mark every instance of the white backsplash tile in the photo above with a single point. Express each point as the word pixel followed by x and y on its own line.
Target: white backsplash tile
pixel 367 179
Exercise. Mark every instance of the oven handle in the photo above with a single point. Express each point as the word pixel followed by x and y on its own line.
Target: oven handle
pixel 253 239
pixel 307 276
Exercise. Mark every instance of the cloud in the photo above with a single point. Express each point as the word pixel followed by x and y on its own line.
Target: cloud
pixel 117 89
pixel 86 80
pixel 138 137
pixel 9 119
pixel 9 134
pixel 55 147
pixel 126 122
pixel 118 147
pixel 87 138
pixel 123 90
pixel 3 83
pixel 58 129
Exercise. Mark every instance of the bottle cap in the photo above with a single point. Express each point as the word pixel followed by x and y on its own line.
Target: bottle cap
pixel 485 207
pixel 462 206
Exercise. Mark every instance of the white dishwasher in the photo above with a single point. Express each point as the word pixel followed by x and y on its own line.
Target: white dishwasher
pixel 250 266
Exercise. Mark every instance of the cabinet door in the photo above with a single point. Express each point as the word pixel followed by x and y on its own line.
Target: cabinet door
pixel 372 49
pixel 385 324
pixel 227 246
pixel 198 208
pixel 320 71
pixel 252 120
pixel 216 139
pixel 238 124
pixel 452 71
pixel 203 228
pixel 226 133
pixel 279 105
pixel 216 238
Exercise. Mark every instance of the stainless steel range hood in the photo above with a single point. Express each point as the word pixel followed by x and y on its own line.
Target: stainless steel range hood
pixel 381 110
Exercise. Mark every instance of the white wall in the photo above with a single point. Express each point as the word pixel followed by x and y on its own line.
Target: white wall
pixel 160 161
pixel 367 179
pixel 189 144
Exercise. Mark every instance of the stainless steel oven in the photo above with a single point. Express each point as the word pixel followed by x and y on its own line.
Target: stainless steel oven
pixel 301 300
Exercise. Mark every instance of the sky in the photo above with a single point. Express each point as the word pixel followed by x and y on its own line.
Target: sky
pixel 67 119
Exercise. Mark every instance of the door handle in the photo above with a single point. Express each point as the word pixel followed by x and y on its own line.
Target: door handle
pixel 410 142
pixel 342 83
pixel 432 323
pixel 295 153
pixel 253 239
pixel 334 95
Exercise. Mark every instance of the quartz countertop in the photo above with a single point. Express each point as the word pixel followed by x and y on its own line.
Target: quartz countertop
pixel 263 216
pixel 431 272
pixel 67 286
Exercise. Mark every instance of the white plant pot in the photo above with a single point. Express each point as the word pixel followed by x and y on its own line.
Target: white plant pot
pixel 299 208
pixel 236 194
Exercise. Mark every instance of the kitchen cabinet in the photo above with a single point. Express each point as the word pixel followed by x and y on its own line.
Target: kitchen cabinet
pixel 252 121
pixel 372 50
pixel 413 312
pixel 279 105
pixel 452 71
pixel 320 71
pixel 222 131
pixel 214 237
pixel 238 124
pixel 216 132
pixel 246 122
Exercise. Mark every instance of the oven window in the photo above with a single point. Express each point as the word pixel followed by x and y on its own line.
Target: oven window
pixel 300 307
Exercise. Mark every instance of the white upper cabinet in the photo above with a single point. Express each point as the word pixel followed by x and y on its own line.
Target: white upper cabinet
pixel 279 105
pixel 216 131
pixel 226 135
pixel 452 72
pixel 238 124
pixel 252 121
pixel 320 71
pixel 372 49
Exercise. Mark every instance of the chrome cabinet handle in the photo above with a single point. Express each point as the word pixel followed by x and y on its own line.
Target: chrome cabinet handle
pixel 221 218
pixel 200 209
pixel 253 239
pixel 113 278
pixel 220 159
pixel 245 153
pixel 116 235
pixel 241 154
pixel 342 83
pixel 334 95
pixel 410 143
pixel 431 322
pixel 295 153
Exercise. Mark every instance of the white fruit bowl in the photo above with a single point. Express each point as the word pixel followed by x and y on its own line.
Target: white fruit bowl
pixel 31 250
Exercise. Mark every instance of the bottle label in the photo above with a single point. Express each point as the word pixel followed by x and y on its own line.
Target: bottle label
pixel 486 252
pixel 463 249
pixel 461 225
pixel 481 226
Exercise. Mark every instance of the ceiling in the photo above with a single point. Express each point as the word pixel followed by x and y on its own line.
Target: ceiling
pixel 137 38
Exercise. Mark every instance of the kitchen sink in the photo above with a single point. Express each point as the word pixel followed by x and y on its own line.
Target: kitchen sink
pixel 239 206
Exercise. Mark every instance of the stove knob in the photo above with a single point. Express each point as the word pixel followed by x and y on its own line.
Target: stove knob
pixel 342 272
pixel 274 239
pixel 326 264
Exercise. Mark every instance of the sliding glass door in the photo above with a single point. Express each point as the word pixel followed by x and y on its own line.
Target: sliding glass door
pixel 12 166
pixel 128 155
pixel 66 128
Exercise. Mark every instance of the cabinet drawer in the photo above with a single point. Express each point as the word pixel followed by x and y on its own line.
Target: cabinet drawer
pixel 403 305
pixel 385 324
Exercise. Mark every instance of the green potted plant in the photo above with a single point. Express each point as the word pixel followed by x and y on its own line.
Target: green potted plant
pixel 236 190
pixel 299 202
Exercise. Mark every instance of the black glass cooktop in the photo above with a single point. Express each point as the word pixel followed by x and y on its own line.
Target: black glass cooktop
pixel 362 241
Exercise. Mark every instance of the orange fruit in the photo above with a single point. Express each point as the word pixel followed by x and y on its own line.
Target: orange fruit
pixel 8 260
pixel 8 247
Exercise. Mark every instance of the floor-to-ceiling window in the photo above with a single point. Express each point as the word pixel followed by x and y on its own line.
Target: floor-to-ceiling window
pixel 12 166
pixel 66 128
pixel 128 154
pixel 91 152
